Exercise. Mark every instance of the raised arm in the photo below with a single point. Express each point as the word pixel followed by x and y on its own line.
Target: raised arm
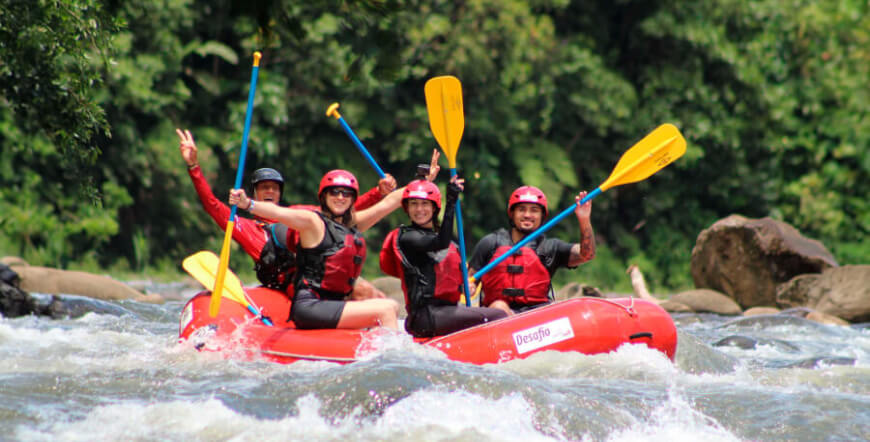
pixel 309 225
pixel 585 249
pixel 369 217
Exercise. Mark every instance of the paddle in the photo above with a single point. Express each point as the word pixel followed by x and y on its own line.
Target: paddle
pixel 447 121
pixel 215 305
pixel 203 267
pixel 476 295
pixel 332 111
pixel 651 154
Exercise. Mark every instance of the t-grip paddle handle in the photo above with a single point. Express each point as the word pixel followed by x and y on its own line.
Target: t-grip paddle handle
pixel 332 111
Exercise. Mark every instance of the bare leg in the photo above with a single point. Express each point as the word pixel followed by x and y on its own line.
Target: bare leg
pixel 638 284
pixel 503 306
pixel 370 313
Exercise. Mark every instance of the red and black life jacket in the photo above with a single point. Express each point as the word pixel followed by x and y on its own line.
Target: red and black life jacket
pixel 331 268
pixel 277 264
pixel 520 278
pixel 448 272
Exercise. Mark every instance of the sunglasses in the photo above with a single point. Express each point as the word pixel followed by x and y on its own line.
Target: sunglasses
pixel 337 191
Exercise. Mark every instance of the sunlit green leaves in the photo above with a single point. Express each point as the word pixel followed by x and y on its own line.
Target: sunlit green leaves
pixel 771 95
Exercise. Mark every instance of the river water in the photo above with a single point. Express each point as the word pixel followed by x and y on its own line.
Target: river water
pixel 121 375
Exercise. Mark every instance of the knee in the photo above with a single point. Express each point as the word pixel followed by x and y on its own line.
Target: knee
pixel 393 306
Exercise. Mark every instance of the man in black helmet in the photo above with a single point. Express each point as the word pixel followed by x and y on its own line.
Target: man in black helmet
pixel 267 185
pixel 271 245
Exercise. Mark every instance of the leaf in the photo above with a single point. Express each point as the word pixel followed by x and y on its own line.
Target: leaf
pixel 219 50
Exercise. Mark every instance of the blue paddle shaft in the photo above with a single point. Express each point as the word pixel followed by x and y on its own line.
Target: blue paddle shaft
pixel 244 153
pixel 360 146
pixel 535 234
pixel 257 314
pixel 462 248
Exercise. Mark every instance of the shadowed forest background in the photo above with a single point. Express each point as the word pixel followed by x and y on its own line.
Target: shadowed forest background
pixel 771 95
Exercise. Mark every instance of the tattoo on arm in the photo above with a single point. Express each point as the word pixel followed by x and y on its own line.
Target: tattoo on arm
pixel 585 249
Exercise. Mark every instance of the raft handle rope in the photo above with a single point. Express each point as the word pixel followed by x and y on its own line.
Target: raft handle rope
pixel 628 308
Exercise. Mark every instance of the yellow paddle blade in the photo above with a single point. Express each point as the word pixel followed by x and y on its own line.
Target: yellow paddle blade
pixel 651 154
pixel 203 267
pixel 446 117
pixel 215 306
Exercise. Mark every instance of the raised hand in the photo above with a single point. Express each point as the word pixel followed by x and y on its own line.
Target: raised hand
pixel 434 168
pixel 239 199
pixel 459 182
pixel 582 211
pixel 387 184
pixel 187 147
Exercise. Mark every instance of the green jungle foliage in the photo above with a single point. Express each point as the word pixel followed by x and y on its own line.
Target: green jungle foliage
pixel 771 95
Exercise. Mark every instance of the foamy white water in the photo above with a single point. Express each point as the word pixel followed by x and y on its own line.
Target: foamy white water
pixel 110 377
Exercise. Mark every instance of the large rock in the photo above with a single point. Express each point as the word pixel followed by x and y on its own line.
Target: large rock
pixel 13 301
pixel 46 280
pixel 843 292
pixel 13 261
pixel 707 301
pixel 755 311
pixel 747 258
pixel 674 306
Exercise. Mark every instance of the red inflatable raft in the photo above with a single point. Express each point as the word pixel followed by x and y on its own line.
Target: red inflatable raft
pixel 585 325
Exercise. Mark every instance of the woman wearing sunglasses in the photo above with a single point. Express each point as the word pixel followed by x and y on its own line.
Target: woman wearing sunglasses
pixel 330 254
pixel 427 261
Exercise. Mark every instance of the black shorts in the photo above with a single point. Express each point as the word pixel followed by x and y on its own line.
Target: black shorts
pixel 445 319
pixel 310 312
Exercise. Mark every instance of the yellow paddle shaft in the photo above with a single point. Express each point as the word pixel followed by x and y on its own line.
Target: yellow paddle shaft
pixel 215 304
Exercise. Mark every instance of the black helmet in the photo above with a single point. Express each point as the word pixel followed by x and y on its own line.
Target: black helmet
pixel 267 174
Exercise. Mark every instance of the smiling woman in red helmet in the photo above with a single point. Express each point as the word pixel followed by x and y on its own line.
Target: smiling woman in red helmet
pixel 428 264
pixel 330 254
pixel 522 282
pixel 271 245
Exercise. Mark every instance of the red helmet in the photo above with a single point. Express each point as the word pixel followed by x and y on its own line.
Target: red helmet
pixel 424 190
pixel 528 194
pixel 338 178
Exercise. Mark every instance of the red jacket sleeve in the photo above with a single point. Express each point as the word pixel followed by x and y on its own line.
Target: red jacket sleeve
pixel 250 236
pixel 368 199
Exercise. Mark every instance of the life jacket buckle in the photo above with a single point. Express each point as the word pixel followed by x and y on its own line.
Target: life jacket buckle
pixel 513 292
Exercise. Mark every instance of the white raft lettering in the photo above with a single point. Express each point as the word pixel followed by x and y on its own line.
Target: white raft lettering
pixel 543 335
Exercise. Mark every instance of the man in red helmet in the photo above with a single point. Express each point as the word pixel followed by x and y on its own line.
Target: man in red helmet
pixel 269 243
pixel 523 281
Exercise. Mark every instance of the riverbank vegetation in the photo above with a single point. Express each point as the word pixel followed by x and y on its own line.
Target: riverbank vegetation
pixel 771 95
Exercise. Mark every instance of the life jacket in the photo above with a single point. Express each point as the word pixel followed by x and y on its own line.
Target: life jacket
pixel 520 278
pixel 331 268
pixel 277 264
pixel 448 272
